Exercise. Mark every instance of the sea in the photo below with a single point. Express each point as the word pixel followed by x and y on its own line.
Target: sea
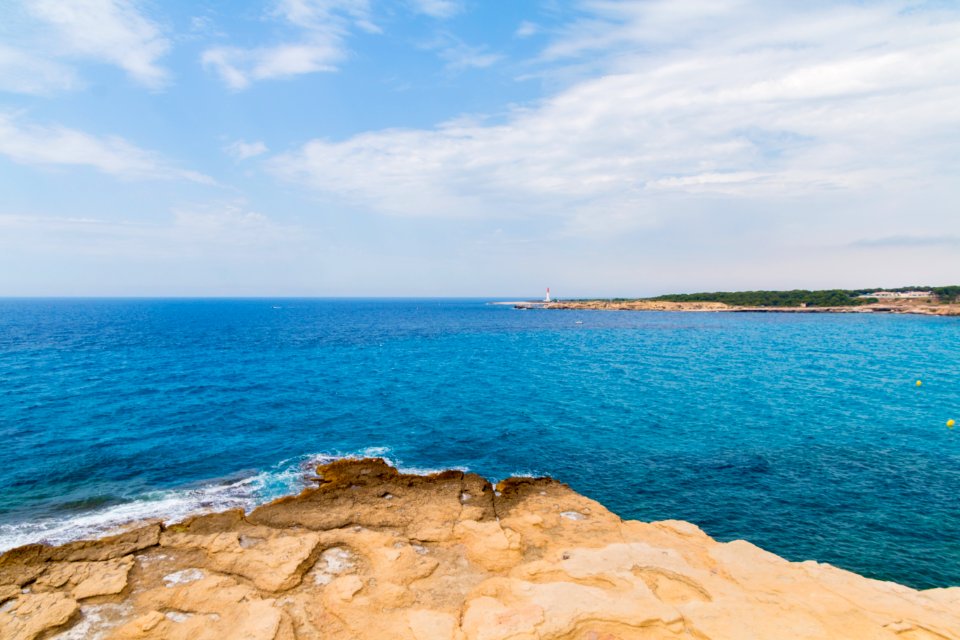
pixel 806 434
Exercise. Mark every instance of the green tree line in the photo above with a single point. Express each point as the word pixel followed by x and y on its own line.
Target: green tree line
pixel 799 297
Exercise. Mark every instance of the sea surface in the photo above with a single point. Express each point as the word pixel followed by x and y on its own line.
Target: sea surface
pixel 804 434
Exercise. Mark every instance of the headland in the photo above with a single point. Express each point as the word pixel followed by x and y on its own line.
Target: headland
pixel 932 301
pixel 906 307
pixel 373 553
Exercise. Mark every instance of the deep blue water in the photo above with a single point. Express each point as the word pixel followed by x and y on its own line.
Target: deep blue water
pixel 804 434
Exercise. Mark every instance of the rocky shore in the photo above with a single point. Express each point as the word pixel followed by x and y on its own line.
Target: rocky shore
pixel 372 553
pixel 900 306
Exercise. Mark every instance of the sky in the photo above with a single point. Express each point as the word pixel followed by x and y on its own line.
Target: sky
pixel 468 148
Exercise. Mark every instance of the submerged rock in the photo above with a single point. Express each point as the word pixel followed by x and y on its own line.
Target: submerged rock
pixel 445 557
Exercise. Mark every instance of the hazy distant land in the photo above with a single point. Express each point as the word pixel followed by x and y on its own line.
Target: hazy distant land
pixel 917 300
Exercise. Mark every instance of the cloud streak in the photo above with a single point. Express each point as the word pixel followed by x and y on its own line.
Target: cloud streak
pixel 189 250
pixel 321 28
pixel 22 72
pixel 907 242
pixel 440 9
pixel 50 145
pixel 241 150
pixel 200 227
pixel 731 100
pixel 110 31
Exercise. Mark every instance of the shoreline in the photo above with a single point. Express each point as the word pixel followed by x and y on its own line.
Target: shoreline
pixel 905 307
pixel 374 553
pixel 235 490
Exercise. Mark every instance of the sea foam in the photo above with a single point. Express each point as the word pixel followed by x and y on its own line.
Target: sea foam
pixel 285 478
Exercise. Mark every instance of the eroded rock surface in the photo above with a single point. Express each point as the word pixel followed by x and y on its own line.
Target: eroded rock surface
pixel 372 553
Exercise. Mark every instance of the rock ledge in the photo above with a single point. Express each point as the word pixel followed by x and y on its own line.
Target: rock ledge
pixel 372 553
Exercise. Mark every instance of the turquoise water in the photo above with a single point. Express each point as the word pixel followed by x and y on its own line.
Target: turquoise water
pixel 804 434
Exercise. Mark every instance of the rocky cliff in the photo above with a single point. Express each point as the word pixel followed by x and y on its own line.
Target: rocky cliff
pixel 372 553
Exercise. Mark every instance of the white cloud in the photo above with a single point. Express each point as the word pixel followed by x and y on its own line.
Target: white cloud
pixel 241 150
pixel 526 29
pixel 56 145
pixel 212 248
pixel 111 31
pixel 437 8
pixel 321 28
pixel 238 68
pixel 225 223
pixel 211 224
pixel 197 249
pixel 22 72
pixel 324 15
pixel 742 101
pixel 460 56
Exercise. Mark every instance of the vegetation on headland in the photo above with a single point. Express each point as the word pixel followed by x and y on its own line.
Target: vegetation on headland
pixel 801 297
pixel 795 298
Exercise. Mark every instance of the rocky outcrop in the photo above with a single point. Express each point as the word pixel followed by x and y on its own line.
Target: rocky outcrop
pixel 372 553
pixel 915 307
pixel 639 305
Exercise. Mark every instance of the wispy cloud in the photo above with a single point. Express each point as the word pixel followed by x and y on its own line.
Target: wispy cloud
pixel 191 250
pixel 115 32
pixel 742 101
pixel 460 56
pixel 222 245
pixel 457 55
pixel 23 72
pixel 241 150
pixel 437 8
pixel 318 43
pixel 34 144
pixel 238 68
pixel 226 223
pixel 526 29
pixel 209 224
pixel 908 241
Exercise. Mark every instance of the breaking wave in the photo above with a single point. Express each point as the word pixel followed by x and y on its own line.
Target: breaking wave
pixel 285 478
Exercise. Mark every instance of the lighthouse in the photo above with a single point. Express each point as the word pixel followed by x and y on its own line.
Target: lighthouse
pixel 547 299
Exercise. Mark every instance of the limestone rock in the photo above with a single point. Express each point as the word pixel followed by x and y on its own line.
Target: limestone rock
pixel 272 560
pixel 373 553
pixel 29 615
pixel 108 548
pixel 8 592
pixel 86 579
pixel 24 564
pixel 210 608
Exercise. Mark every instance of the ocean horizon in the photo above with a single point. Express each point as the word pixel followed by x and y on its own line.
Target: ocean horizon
pixel 804 434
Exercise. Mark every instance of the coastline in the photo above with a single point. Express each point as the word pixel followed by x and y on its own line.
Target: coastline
pixel 374 553
pixel 900 307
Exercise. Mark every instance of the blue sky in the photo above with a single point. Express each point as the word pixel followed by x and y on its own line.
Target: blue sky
pixel 458 147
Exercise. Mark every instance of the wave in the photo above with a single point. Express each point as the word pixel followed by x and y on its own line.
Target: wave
pixel 287 477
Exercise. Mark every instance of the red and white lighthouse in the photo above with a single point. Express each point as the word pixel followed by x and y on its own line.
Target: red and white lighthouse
pixel 547 299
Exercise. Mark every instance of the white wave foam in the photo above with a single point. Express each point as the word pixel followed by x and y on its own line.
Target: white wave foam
pixel 381 452
pixel 285 478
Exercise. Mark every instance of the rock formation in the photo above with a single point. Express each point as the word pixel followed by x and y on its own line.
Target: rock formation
pixel 372 553
pixel 915 307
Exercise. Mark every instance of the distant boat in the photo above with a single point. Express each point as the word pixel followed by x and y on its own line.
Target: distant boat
pixel 579 322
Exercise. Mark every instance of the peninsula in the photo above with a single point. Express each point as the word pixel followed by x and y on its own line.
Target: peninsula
pixel 372 553
pixel 939 301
